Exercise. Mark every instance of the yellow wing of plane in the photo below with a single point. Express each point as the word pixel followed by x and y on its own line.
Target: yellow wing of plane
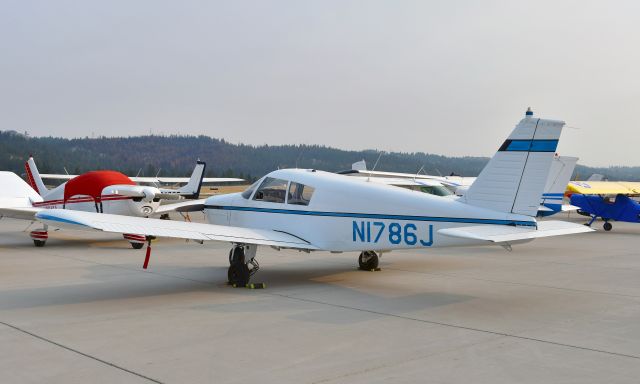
pixel 604 187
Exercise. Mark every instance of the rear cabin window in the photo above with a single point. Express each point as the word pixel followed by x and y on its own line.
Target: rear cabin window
pixel 299 194
pixel 271 191
pixel 436 190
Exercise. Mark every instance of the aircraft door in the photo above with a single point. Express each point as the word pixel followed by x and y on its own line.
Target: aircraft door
pixel 219 217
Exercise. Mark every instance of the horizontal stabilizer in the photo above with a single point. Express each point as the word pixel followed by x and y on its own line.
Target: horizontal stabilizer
pixel 22 213
pixel 169 228
pixel 184 206
pixel 569 208
pixel 505 234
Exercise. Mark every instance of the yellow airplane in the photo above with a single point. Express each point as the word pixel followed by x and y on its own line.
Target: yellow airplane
pixel 609 200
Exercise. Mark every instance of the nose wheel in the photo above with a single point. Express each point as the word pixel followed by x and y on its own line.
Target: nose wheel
pixel 239 272
pixel 607 226
pixel 368 261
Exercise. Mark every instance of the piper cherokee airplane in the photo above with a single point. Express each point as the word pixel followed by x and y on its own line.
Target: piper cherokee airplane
pixel 609 200
pixel 552 198
pixel 310 210
pixel 102 192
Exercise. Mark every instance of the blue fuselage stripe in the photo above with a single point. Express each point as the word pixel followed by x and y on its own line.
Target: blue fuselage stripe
pixel 374 216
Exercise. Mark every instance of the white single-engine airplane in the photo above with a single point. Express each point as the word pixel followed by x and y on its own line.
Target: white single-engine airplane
pixel 311 210
pixel 101 192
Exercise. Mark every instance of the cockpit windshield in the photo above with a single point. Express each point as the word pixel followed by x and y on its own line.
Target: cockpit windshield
pixel 249 191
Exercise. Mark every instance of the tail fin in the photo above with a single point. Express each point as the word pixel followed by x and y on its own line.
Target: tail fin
pixel 559 176
pixel 33 176
pixel 516 175
pixel 192 189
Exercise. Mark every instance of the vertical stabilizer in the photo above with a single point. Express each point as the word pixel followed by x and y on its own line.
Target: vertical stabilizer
pixel 33 177
pixel 561 170
pixel 359 166
pixel 192 189
pixel 514 179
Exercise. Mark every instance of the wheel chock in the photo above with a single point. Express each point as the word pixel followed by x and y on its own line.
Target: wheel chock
pixel 250 286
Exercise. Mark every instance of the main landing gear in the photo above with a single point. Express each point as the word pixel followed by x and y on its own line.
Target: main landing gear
pixel 368 261
pixel 240 257
pixel 607 226
pixel 136 241
pixel 39 236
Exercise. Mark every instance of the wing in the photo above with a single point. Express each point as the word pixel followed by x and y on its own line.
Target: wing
pixel 603 188
pixel 505 234
pixel 182 180
pixel 54 176
pixel 169 228
pixel 632 186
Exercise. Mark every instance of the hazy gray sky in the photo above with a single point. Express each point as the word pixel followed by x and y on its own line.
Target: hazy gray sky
pixel 447 77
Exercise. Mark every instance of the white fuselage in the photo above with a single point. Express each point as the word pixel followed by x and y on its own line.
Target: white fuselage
pixel 109 202
pixel 350 215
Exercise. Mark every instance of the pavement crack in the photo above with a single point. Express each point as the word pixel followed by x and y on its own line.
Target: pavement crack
pixel 486 331
pixel 515 283
pixel 105 362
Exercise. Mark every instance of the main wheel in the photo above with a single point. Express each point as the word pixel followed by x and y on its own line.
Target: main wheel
pixel 607 226
pixel 137 245
pixel 238 274
pixel 39 243
pixel 368 260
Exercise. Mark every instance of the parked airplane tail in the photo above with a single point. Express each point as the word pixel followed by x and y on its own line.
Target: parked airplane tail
pixel 17 197
pixel 192 189
pixel 33 176
pixel 514 179
pixel 559 176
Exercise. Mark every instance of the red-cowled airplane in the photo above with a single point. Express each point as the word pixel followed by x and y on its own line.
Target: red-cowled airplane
pixel 102 192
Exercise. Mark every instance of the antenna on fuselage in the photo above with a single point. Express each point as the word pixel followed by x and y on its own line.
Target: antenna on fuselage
pixel 418 173
pixel 374 166
pixel 299 156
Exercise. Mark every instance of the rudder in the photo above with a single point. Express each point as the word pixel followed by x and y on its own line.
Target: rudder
pixel 514 179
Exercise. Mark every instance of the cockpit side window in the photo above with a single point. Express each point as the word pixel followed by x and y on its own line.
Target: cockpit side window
pixel 272 190
pixel 247 192
pixel 299 194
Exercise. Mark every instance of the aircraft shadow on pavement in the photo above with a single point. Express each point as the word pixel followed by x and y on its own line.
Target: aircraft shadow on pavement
pixel 292 288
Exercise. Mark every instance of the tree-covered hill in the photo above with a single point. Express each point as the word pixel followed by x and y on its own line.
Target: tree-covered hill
pixel 175 155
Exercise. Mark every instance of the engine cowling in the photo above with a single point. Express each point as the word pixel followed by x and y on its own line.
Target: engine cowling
pixel 144 193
